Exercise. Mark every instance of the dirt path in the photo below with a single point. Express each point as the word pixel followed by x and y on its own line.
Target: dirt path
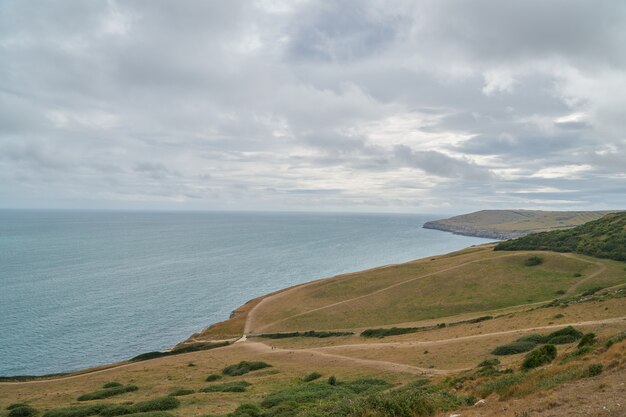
pixel 363 346
pixel 259 347
pixel 251 313
pixel 577 285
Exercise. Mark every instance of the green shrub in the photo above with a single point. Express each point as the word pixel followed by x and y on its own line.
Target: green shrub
pixel 112 384
pixel 499 385
pixel 234 386
pixel 150 414
pixel 489 362
pixel 311 377
pixel 186 349
pixel 332 380
pixel 534 338
pixel 79 411
pixel 107 392
pixel 213 377
pixel 615 339
pixel 157 404
pixel 594 369
pixel 539 356
pixel 566 331
pixel 15 405
pixel 22 411
pixel 591 291
pixel 116 410
pixel 181 392
pixel 513 348
pixel 587 340
pixel 581 351
pixel 562 340
pixel 244 367
pixel 310 333
pixel 533 261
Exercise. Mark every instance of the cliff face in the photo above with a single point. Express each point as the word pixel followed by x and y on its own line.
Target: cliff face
pixel 510 224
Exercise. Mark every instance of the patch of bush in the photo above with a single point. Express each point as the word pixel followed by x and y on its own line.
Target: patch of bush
pixel 559 292
pixel 393 331
pixel 150 414
pixel 310 333
pixel 576 354
pixel 107 392
pixel 213 377
pixel 312 377
pixel 539 356
pixel 594 369
pixel 157 404
pixel 533 261
pixel 500 385
pixel 513 348
pixel 112 384
pixel 186 349
pixel 79 411
pixel 562 340
pixel 489 362
pixel 15 405
pixel 332 380
pixel 587 340
pixel 181 392
pixel 234 386
pixel 566 331
pixel 533 338
pixel 22 411
pixel 615 339
pixel 244 367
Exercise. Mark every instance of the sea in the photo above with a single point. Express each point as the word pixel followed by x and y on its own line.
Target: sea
pixel 81 288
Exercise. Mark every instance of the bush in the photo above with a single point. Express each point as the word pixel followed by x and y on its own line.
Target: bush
pixel 562 340
pixel 591 291
pixel 150 414
pixel 513 348
pixel 80 411
pixel 615 339
pixel 594 369
pixel 539 356
pixel 157 404
pixel 213 377
pixel 112 384
pixel 15 405
pixel 566 331
pixel 181 392
pixel 581 351
pixel 22 411
pixel 534 338
pixel 186 349
pixel 587 340
pixel 489 362
pixel 332 380
pixel 311 377
pixel 244 367
pixel 107 392
pixel 235 386
pixel 310 333
pixel 533 261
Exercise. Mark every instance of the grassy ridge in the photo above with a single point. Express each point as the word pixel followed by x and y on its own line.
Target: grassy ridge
pixel 603 238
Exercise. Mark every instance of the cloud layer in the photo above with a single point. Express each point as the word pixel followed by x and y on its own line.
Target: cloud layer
pixel 303 105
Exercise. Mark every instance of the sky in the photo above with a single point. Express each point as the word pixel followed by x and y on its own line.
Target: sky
pixel 375 106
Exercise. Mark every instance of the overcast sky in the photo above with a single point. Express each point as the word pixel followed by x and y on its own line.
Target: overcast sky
pixel 408 106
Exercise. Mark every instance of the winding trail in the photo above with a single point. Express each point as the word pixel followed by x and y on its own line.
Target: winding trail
pixel 251 314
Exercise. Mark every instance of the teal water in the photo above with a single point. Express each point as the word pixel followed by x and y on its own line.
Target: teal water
pixel 84 288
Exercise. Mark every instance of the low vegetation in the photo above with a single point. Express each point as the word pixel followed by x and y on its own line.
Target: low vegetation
pixel 213 377
pixel 186 349
pixel 312 377
pixel 310 333
pixel 395 331
pixel 533 261
pixel 107 391
pixel 244 367
pixel 22 410
pixel 615 339
pixel 526 343
pixel 602 238
pixel 181 392
pixel 539 356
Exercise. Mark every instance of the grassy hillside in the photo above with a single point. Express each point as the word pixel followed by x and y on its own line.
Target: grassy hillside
pixel 603 238
pixel 506 224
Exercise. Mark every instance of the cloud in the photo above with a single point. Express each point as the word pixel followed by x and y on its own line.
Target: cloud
pixel 347 105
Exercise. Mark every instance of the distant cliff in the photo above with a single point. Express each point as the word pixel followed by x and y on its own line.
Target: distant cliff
pixel 509 224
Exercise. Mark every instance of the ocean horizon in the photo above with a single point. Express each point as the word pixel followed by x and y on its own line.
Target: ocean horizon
pixel 83 288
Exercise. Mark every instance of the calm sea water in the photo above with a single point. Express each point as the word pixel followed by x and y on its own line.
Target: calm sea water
pixel 83 288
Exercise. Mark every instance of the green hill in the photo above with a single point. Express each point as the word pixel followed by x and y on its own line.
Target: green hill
pixel 602 238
